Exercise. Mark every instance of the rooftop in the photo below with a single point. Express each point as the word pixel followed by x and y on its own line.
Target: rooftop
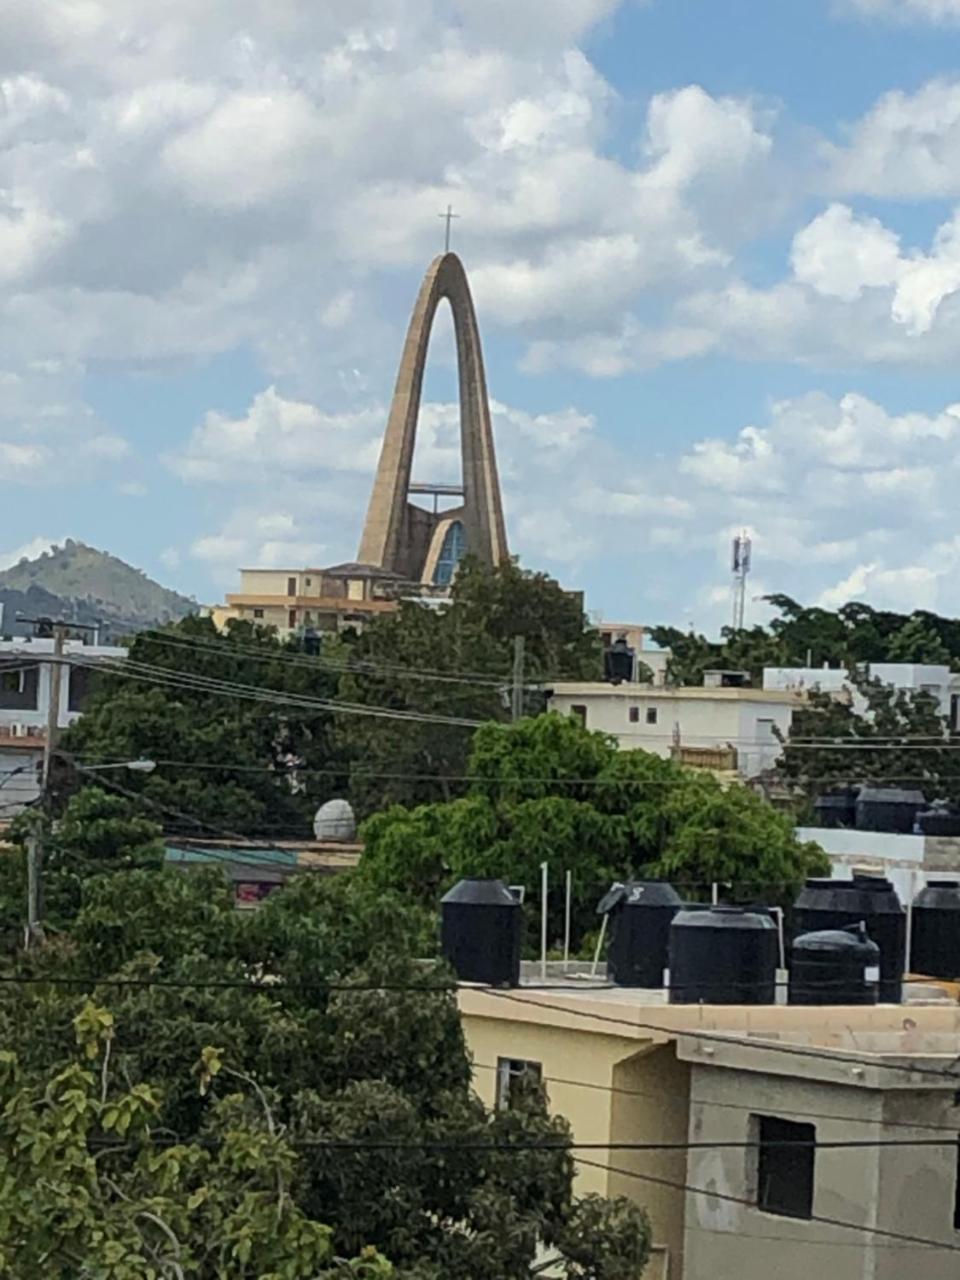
pixel 683 693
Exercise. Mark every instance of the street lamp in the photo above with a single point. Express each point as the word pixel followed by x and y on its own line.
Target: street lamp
pixel 133 766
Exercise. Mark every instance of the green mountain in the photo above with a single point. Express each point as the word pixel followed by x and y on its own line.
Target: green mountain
pixel 80 584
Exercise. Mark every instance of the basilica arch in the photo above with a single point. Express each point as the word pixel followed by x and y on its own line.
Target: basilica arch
pixel 398 535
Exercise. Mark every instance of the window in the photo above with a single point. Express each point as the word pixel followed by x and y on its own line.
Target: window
pixel 451 553
pixel 510 1073
pixel 11 681
pixel 292 619
pixel 606 639
pixel 291 586
pixel 258 613
pixel 579 712
pixel 785 1159
pixel 634 715
pixel 308 582
pixel 78 688
pixel 651 715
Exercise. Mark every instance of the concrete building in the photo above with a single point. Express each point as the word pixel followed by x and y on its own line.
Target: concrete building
pixel 625 1067
pixel 940 682
pixel 724 729
pixel 418 544
pixel 909 861
pixel 26 676
pixel 327 600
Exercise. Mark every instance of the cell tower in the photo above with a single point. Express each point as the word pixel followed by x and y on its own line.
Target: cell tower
pixel 742 552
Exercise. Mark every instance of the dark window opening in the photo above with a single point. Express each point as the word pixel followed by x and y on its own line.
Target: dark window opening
pixel 579 712
pixel 510 1073
pixel 19 688
pixel 651 715
pixel 258 613
pixel 292 619
pixel 785 1159
pixel 79 688
pixel 291 586
pixel 634 715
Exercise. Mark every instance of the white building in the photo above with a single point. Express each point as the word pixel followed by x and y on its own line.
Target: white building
pixel 26 676
pixel 940 682
pixel 725 729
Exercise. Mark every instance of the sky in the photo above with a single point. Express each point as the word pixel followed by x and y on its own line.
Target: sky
pixel 714 247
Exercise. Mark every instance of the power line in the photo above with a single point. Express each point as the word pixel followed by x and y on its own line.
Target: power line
pixel 725 1038
pixel 710 1193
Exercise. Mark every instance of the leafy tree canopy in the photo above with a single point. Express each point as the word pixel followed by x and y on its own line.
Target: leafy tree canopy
pixel 225 1099
pixel 800 636
pixel 473 634
pixel 546 789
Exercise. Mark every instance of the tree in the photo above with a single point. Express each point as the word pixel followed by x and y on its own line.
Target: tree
pixel 546 789
pixel 468 646
pixel 886 737
pixel 265 1061
pixel 225 764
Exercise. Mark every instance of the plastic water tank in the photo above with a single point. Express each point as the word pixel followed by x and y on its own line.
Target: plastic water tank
pixel 836 808
pixel 335 821
pixel 481 932
pixel 834 966
pixel 939 820
pixel 935 950
pixel 838 904
pixel 641 912
pixel 723 955
pixel 888 809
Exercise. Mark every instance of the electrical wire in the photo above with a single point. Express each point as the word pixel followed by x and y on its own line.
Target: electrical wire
pixel 712 1194
pixel 838 1056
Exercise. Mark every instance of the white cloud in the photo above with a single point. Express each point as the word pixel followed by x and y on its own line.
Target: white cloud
pixel 29 551
pixel 903 10
pixel 906 146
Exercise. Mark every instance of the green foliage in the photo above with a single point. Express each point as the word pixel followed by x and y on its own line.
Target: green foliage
pixel 241 767
pixel 548 790
pixel 239 1080
pixel 473 634
pixel 800 637
pixel 898 738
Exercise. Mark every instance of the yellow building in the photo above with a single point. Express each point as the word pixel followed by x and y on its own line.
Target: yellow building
pixel 325 600
pixel 746 1081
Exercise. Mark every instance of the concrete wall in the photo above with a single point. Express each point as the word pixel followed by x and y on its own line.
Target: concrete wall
pixel 12 652
pixel 609 1092
pixel 896 1189
pixel 704 720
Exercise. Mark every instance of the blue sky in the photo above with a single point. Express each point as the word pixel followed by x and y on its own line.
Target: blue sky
pixel 714 244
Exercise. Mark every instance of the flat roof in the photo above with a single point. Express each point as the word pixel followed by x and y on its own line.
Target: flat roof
pixel 684 693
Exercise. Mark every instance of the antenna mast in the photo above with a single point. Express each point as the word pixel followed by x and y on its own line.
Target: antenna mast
pixel 742 554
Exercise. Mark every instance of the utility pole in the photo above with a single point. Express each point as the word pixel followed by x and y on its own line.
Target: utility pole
pixel 35 841
pixel 516 692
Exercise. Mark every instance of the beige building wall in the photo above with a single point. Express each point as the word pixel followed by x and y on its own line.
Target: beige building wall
pixel 648 718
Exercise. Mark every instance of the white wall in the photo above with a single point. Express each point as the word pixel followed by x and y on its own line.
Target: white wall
pixel 937 680
pixel 36 651
pixel 705 719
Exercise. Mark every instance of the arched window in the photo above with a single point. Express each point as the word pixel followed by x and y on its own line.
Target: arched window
pixel 451 553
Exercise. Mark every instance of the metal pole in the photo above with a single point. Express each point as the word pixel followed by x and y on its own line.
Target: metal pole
pixel 596 954
pixel 516 694
pixel 566 923
pixel 35 843
pixel 714 893
pixel 909 940
pixel 544 890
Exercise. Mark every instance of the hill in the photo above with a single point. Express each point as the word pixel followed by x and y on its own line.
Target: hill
pixel 82 584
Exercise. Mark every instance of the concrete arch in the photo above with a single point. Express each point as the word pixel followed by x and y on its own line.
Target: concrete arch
pixel 398 535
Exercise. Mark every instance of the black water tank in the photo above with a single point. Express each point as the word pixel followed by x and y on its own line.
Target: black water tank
pixel 836 808
pixel 619 663
pixel 935 950
pixel 640 912
pixel 888 809
pixel 838 904
pixel 831 967
pixel 723 955
pixel 481 932
pixel 939 820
